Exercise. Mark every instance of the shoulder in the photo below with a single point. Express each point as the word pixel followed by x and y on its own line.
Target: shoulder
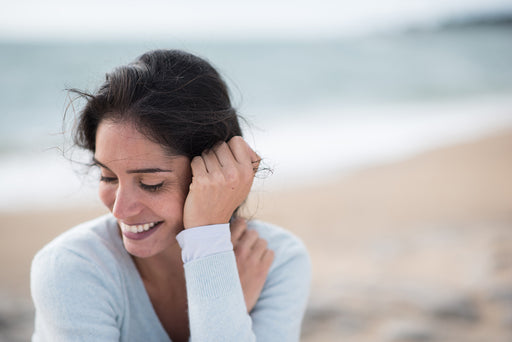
pixel 85 255
pixel 291 255
pixel 279 239
pixel 79 269
pixel 95 239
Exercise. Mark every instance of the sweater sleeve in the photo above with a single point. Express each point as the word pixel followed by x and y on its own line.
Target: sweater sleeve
pixel 217 310
pixel 71 299
pixel 216 303
pixel 203 241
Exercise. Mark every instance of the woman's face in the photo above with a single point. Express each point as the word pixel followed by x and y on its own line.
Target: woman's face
pixel 143 187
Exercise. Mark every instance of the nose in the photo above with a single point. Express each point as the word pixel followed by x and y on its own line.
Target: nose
pixel 126 203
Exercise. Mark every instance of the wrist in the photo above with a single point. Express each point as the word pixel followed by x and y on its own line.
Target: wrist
pixel 187 224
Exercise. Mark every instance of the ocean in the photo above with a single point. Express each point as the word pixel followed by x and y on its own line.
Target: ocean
pixel 315 108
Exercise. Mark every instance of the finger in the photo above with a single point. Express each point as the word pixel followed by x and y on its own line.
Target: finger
pixel 211 162
pixel 245 243
pixel 267 258
pixel 198 166
pixel 256 163
pixel 259 247
pixel 237 226
pixel 242 152
pixel 224 155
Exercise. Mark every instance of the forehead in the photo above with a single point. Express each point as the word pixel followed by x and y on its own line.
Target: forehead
pixel 123 143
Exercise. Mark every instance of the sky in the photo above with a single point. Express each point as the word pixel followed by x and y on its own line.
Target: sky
pixel 129 19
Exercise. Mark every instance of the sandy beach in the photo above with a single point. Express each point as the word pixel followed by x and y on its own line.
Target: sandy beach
pixel 415 250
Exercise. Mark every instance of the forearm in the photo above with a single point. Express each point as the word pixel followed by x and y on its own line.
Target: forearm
pixel 216 302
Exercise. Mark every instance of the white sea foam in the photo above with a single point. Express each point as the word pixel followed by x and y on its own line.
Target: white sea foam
pixel 42 181
pixel 308 149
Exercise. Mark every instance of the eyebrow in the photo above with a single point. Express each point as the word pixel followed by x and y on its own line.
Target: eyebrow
pixel 148 170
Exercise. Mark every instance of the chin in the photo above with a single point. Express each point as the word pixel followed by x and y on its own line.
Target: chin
pixel 151 247
pixel 138 251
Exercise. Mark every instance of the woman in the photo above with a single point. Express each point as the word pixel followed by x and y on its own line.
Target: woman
pixel 172 261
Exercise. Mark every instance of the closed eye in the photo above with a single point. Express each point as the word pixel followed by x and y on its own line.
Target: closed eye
pixel 151 188
pixel 108 179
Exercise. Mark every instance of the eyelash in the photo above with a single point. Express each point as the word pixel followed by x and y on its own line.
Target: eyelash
pixel 107 179
pixel 150 188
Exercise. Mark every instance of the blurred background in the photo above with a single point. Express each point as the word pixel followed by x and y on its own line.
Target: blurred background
pixel 388 127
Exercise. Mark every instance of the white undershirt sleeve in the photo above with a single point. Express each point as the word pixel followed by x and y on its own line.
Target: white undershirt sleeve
pixel 203 241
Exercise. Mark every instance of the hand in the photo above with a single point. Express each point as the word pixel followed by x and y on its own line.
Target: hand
pixel 221 180
pixel 253 260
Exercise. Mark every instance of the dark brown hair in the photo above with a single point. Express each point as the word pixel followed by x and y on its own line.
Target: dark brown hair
pixel 174 98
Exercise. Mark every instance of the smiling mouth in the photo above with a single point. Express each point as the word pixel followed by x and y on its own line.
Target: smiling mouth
pixel 139 228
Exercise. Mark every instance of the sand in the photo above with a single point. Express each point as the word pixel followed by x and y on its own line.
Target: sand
pixel 416 250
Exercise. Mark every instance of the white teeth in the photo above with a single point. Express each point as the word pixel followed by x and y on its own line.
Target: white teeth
pixel 137 228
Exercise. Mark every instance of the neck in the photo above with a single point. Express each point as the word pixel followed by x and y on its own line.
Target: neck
pixel 161 268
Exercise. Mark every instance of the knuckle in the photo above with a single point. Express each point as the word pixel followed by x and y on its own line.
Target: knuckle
pixel 252 234
pixel 231 175
pixel 199 183
pixel 241 251
pixel 217 177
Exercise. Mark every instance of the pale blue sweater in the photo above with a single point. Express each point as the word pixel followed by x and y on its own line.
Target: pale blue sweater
pixel 86 287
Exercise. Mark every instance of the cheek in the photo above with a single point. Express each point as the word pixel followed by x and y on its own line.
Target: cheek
pixel 107 195
pixel 169 204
